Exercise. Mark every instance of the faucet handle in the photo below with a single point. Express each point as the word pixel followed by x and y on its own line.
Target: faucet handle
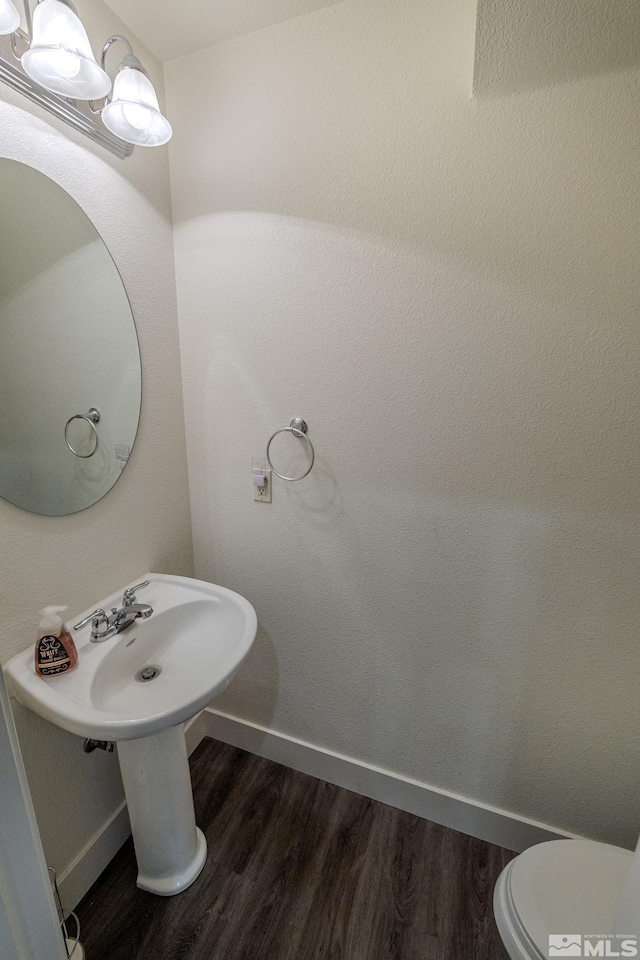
pixel 129 595
pixel 97 616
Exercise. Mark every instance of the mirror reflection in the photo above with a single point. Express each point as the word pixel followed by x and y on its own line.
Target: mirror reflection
pixel 70 376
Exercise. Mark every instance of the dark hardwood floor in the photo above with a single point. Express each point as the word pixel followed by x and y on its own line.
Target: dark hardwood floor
pixel 301 870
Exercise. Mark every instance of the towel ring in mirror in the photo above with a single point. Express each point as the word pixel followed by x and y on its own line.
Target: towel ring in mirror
pixel 92 417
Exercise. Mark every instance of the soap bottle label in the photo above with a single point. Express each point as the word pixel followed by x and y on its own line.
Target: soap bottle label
pixel 52 657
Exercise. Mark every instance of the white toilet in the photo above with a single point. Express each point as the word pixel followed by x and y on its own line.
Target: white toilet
pixel 563 888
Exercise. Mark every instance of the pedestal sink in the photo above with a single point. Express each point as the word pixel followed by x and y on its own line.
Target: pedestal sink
pixel 137 688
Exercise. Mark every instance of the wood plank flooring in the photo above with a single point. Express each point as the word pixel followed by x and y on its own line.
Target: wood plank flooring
pixel 301 870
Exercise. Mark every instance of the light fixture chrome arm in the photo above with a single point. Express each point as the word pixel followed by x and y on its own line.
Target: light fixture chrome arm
pixel 103 57
pixel 28 19
pixel 20 34
pixel 110 43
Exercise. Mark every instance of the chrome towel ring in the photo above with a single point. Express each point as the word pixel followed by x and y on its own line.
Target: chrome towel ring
pixel 298 428
pixel 92 417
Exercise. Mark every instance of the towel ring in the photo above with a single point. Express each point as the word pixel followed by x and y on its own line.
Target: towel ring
pixel 92 417
pixel 298 428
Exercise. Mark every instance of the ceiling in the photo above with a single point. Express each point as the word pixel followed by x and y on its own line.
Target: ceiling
pixel 172 28
pixel 520 44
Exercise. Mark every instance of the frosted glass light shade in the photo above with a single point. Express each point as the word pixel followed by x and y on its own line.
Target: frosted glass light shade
pixel 9 17
pixel 133 113
pixel 60 58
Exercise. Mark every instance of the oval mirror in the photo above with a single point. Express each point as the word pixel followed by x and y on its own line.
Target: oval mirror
pixel 70 376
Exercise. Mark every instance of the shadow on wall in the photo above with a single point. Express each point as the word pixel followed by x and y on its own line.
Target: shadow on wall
pixel 523 45
pixel 261 686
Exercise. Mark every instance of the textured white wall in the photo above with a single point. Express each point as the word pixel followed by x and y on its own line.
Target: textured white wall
pixel 143 523
pixel 447 290
pixel 522 45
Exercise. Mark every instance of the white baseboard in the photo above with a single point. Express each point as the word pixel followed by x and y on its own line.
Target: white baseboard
pixel 451 810
pixel 86 867
pixel 195 731
pixel 460 813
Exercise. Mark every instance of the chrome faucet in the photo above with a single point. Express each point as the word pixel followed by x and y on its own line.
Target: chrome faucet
pixel 104 626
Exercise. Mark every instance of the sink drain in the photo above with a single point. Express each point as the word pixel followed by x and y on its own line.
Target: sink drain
pixel 148 673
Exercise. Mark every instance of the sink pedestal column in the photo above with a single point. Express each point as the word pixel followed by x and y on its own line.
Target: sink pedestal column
pixel 170 849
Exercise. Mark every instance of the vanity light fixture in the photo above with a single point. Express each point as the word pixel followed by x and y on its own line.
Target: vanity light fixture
pixel 52 63
pixel 132 113
pixel 60 57
pixel 9 17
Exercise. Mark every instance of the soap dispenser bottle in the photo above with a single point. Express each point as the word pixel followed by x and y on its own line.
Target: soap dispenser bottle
pixel 55 650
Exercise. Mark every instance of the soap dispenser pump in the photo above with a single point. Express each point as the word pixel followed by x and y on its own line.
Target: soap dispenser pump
pixel 55 650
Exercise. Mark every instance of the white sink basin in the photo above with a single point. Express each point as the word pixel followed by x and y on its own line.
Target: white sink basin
pixel 192 645
pixel 197 637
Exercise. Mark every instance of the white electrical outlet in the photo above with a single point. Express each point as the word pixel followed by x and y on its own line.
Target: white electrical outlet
pixel 263 494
